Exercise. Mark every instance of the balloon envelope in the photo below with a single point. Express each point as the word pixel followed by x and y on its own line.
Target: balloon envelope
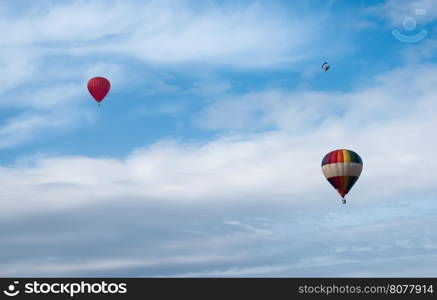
pixel 342 168
pixel 99 88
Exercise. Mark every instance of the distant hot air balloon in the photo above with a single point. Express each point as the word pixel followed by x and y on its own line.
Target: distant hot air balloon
pixel 342 169
pixel 325 66
pixel 99 88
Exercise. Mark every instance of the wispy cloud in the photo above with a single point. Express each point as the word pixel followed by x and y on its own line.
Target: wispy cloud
pixel 397 10
pixel 27 126
pixel 51 49
pixel 249 200
pixel 165 32
pixel 261 191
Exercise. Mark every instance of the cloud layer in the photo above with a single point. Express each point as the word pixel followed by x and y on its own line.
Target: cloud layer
pixel 50 50
pixel 248 203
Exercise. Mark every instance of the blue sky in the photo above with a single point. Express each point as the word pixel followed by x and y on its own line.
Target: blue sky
pixel 204 159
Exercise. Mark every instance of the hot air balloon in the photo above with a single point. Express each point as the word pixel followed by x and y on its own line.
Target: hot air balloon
pixel 342 168
pixel 325 66
pixel 99 88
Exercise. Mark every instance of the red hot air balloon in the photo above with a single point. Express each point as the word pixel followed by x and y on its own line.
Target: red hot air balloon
pixel 342 168
pixel 99 88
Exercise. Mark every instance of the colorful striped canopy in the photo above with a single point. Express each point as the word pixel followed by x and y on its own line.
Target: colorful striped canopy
pixel 342 168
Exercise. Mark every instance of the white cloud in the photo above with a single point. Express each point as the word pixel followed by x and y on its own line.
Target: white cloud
pixel 57 267
pixel 28 126
pixel 390 125
pixel 192 190
pixel 168 171
pixel 165 32
pixel 50 51
pixel 167 207
pixel 394 96
pixel 263 271
pixel 397 10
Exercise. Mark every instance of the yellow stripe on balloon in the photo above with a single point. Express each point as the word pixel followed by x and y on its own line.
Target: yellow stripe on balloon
pixel 346 156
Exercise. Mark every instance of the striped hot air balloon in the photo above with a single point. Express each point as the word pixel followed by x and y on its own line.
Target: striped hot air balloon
pixel 342 168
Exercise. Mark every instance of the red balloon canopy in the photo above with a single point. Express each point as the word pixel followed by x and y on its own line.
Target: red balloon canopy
pixel 99 88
